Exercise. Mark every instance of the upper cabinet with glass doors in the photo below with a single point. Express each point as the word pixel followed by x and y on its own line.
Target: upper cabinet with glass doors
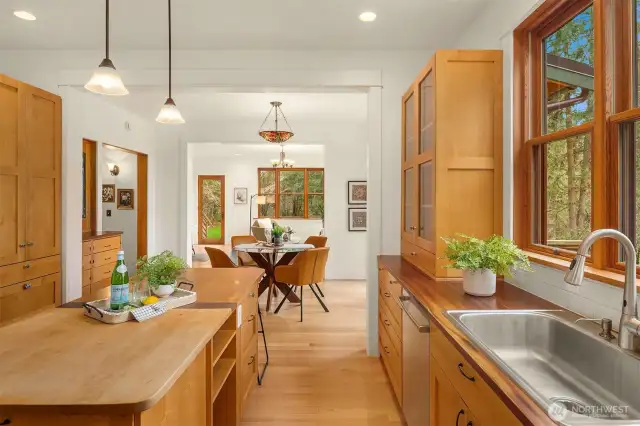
pixel 451 155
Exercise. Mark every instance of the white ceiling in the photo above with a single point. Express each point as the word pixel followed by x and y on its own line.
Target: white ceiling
pixel 237 24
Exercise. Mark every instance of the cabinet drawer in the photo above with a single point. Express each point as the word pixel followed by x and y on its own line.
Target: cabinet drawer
pixel 105 257
pixel 249 321
pixel 394 330
pixel 105 244
pixel 87 262
pixel 86 293
pixel 24 271
pixel 101 289
pixel 419 257
pixel 390 283
pixel 249 368
pixel 102 272
pixel 87 247
pixel 23 298
pixel 476 393
pixel 86 277
pixel 389 300
pixel 391 360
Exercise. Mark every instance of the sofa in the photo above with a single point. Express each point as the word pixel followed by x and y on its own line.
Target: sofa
pixel 259 226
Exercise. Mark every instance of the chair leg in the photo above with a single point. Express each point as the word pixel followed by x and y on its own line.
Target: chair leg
pixel 319 300
pixel 266 349
pixel 318 287
pixel 301 302
pixel 269 295
pixel 283 299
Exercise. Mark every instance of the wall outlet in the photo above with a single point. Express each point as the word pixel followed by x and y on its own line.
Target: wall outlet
pixel 108 213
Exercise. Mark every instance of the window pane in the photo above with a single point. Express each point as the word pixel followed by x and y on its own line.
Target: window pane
pixel 267 183
pixel 316 206
pixel 316 181
pixel 292 205
pixel 562 192
pixel 629 187
pixel 211 210
pixel 568 69
pixel 292 181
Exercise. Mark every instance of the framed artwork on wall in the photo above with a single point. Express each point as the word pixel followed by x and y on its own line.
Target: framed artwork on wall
pixel 108 193
pixel 357 219
pixel 357 192
pixel 125 199
pixel 239 195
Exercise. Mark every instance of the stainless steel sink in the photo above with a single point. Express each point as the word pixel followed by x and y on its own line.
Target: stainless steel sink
pixel 577 377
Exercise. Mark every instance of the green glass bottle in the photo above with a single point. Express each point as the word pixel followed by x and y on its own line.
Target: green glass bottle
pixel 119 284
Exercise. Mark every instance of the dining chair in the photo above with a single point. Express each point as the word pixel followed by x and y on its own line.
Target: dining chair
pixel 317 241
pixel 306 269
pixel 244 259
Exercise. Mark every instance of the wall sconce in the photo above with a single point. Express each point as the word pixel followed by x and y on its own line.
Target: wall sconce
pixel 113 169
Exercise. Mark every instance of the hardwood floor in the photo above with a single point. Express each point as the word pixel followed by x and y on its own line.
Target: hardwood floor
pixel 319 373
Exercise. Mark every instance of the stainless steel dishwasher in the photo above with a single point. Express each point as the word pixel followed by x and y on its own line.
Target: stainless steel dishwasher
pixel 415 361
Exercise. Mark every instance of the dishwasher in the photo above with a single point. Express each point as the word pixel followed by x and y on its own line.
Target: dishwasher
pixel 415 361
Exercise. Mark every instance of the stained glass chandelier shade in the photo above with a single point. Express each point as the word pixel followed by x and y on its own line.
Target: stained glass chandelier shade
pixel 276 135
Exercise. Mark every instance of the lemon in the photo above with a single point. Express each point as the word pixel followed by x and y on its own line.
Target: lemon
pixel 150 300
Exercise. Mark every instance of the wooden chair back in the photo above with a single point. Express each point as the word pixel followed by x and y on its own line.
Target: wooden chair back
pixel 219 259
pixel 317 241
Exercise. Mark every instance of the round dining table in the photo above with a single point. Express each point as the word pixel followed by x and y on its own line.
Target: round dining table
pixel 268 257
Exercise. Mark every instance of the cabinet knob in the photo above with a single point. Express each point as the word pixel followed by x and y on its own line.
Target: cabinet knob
pixel 30 243
pixel 27 286
pixel 386 349
pixel 387 294
pixel 413 253
pixel 387 323
pixel 27 266
pixel 252 294
pixel 413 228
pixel 22 245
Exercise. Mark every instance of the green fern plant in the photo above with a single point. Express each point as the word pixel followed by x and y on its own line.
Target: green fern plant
pixel 161 269
pixel 496 253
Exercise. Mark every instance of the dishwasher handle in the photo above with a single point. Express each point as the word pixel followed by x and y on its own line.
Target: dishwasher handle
pixel 422 328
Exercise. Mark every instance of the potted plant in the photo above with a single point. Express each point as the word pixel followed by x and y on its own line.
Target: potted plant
pixel 161 272
pixel 481 260
pixel 276 233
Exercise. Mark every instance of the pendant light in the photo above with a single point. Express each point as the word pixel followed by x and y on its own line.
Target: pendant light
pixel 275 135
pixel 169 114
pixel 105 79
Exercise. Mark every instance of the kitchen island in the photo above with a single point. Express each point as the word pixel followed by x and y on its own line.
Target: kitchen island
pixel 61 368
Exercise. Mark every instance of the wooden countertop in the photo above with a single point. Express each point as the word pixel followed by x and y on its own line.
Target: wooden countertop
pixel 230 285
pixel 96 235
pixel 60 359
pixel 438 296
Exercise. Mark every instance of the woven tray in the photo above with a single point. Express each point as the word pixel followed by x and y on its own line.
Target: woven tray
pixel 99 309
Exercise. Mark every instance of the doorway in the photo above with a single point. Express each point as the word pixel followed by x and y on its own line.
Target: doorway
pixel 211 209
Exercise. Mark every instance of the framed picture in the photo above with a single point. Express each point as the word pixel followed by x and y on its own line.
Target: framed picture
pixel 108 193
pixel 239 195
pixel 125 199
pixel 357 219
pixel 357 192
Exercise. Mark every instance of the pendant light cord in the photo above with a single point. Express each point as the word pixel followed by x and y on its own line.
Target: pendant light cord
pixel 107 30
pixel 169 1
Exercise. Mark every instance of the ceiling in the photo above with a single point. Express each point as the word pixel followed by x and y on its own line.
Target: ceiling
pixel 237 24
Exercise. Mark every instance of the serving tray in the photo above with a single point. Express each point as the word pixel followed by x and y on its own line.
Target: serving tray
pixel 99 309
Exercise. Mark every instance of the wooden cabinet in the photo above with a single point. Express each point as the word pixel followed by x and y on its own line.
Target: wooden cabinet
pixel 247 372
pixel 451 155
pixel 30 189
pixel 390 329
pixel 98 260
pixel 447 408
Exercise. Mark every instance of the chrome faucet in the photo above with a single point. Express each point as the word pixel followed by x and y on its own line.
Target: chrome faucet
pixel 629 323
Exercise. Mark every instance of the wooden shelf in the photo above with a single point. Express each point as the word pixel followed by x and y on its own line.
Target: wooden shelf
pixel 221 371
pixel 219 343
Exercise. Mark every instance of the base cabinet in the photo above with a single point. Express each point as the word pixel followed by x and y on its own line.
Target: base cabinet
pixel 390 330
pixel 447 407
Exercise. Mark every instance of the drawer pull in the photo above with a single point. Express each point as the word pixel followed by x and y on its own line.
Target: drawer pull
pixel 27 286
pixel 387 323
pixel 413 253
pixel 461 412
pixel 251 318
pixel 387 294
pixel 386 349
pixel 460 366
pixel 27 265
pixel 107 246
pixel 393 282
pixel 253 358
pixel 22 245
pixel 30 243
pixel 252 294
pixel 106 259
pixel 470 423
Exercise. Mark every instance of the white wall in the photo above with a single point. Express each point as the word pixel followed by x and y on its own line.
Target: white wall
pixel 122 220
pixel 494 30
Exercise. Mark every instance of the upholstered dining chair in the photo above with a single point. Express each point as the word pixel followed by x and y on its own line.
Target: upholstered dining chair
pixel 317 241
pixel 219 259
pixel 244 259
pixel 306 269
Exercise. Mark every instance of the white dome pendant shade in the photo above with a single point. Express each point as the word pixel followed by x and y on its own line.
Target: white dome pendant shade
pixel 105 79
pixel 169 113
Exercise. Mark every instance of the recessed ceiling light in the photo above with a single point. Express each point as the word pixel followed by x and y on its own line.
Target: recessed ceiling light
pixel 23 14
pixel 237 155
pixel 367 17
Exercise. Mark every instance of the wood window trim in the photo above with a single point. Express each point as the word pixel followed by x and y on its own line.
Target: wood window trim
pixel 277 193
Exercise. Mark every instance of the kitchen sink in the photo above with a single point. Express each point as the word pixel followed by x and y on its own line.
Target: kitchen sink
pixel 574 375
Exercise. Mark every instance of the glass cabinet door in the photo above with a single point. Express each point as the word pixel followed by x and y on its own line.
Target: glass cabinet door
pixel 409 170
pixel 425 165
pixel 409 130
pixel 408 206
pixel 426 233
pixel 427 115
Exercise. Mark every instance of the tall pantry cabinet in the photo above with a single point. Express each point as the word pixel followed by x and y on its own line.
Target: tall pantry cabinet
pixel 30 198
pixel 451 155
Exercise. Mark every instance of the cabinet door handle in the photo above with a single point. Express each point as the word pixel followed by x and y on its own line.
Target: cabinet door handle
pixel 386 349
pixel 461 412
pixel 387 294
pixel 30 243
pixel 470 423
pixel 252 294
pixel 21 245
pixel 460 367
pixel 251 318
pixel 27 266
pixel 387 323
pixel 253 358
pixel 27 286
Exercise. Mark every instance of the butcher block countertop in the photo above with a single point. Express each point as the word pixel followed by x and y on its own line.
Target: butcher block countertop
pixel 61 360
pixel 438 296
pixel 96 235
pixel 221 285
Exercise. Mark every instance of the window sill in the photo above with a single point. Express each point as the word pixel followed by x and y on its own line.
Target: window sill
pixel 609 277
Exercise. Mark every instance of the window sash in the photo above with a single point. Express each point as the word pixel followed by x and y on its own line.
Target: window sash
pixel 277 191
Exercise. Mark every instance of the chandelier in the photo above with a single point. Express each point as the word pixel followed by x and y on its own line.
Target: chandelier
pixel 282 163
pixel 276 135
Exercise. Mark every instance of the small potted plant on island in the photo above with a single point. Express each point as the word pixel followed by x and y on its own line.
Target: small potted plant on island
pixel 277 233
pixel 481 260
pixel 161 272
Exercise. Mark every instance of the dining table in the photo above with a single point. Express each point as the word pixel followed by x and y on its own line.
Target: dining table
pixel 268 257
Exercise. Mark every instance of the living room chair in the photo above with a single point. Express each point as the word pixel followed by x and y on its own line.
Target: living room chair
pixel 244 259
pixel 306 269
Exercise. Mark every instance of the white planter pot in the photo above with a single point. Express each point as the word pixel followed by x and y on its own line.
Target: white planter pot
pixel 164 290
pixel 479 283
